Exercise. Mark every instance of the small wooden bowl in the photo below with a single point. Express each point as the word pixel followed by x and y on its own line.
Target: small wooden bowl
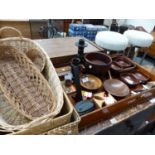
pixel 93 82
pixel 116 88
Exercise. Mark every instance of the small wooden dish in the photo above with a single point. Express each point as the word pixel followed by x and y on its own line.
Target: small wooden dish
pixel 90 82
pixel 122 64
pixel 129 79
pixel 140 76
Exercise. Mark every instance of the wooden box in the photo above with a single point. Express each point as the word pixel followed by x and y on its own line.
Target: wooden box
pixel 107 112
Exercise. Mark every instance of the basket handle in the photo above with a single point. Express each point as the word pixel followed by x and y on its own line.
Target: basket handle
pixel 11 28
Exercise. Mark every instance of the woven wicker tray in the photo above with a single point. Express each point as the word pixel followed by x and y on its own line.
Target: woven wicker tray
pixel 46 122
pixel 23 85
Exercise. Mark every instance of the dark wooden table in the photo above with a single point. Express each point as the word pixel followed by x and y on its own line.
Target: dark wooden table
pixel 61 47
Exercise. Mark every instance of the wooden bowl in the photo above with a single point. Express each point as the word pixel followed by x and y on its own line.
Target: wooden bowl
pixel 91 83
pixel 97 63
pixel 116 87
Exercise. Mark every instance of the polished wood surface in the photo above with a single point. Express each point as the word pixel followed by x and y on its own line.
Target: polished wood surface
pixel 93 82
pixel 60 47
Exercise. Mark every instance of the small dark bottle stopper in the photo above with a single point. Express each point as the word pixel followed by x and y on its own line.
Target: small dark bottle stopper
pixel 81 45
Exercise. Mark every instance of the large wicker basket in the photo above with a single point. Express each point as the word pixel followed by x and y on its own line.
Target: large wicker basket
pixel 24 86
pixel 46 122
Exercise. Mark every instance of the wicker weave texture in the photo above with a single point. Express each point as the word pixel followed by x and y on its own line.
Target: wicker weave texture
pixel 37 57
pixel 9 114
pixel 46 122
pixel 68 129
pixel 24 45
pixel 23 85
pixel 71 128
pixel 21 125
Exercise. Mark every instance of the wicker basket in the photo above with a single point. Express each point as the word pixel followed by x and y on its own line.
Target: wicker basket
pixel 23 85
pixel 24 45
pixel 46 122
pixel 68 129
pixel 8 31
